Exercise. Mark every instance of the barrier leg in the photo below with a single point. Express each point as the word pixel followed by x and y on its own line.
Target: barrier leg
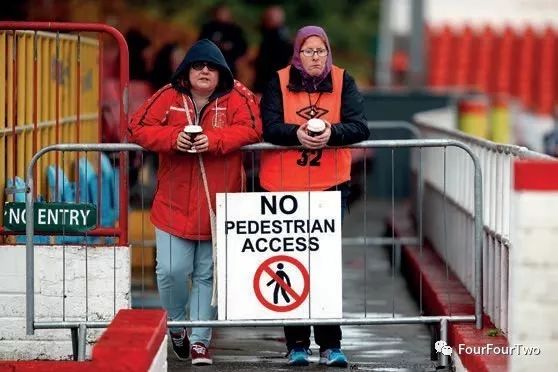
pixel 444 337
pixel 397 257
pixel 82 342
pixel 74 343
pixel 434 336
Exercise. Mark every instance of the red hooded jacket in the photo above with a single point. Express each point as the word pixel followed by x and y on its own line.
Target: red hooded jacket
pixel 230 120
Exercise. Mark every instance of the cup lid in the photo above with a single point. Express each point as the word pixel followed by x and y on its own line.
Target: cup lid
pixel 316 125
pixel 193 129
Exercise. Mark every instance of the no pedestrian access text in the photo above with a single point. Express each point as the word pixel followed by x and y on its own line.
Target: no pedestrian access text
pixel 287 204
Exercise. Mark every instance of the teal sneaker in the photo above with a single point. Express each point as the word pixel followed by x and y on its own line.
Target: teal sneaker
pixel 333 358
pixel 298 356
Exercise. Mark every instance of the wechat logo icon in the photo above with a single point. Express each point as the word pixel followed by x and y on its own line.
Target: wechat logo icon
pixel 443 347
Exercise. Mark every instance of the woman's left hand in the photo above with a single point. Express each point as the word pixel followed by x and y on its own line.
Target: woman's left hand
pixel 324 137
pixel 201 144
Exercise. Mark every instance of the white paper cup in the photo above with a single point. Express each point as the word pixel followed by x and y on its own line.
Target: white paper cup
pixel 315 127
pixel 192 131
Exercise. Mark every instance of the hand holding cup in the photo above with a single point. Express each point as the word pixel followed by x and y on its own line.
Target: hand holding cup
pixel 183 142
pixel 314 134
pixel 315 127
pixel 194 132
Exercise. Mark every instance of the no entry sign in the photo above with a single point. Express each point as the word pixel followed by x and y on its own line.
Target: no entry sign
pixel 279 255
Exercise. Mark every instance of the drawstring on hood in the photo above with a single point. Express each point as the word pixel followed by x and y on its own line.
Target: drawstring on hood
pixel 203 51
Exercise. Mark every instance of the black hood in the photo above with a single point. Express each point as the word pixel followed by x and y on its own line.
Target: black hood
pixel 203 51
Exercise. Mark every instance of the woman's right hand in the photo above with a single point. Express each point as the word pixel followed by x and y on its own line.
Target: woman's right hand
pixel 183 142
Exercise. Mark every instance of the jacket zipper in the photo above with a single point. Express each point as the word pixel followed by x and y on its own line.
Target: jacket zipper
pixel 199 114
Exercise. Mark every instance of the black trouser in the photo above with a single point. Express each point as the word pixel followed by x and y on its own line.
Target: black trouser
pixel 326 336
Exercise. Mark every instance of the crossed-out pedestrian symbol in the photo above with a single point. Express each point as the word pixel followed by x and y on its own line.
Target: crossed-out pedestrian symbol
pixel 274 267
pixel 282 275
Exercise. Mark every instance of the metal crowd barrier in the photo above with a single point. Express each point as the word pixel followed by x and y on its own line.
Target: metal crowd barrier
pixel 496 161
pixel 419 145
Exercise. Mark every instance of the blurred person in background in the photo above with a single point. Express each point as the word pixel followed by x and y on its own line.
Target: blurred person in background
pixel 14 11
pixel 226 34
pixel 137 47
pixel 275 47
pixel 166 61
pixel 139 89
pixel 399 67
pixel 311 87
pixel 202 94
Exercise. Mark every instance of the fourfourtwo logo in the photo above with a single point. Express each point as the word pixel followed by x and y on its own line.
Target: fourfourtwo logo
pixel 443 347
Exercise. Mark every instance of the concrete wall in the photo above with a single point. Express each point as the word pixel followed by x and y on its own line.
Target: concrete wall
pixel 135 341
pixel 88 277
pixel 534 267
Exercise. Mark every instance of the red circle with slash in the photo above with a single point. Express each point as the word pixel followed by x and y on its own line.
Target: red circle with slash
pixel 298 298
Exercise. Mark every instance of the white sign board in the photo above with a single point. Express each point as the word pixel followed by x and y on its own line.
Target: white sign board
pixel 279 255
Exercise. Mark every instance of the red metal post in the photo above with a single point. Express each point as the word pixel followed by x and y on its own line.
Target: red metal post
pixel 78 99
pixel 14 105
pixel 57 114
pixel 35 109
pixel 100 130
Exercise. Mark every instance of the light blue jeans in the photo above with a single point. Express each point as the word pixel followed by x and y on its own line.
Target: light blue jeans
pixel 179 260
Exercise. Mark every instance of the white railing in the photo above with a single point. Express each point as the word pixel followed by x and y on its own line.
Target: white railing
pixel 448 206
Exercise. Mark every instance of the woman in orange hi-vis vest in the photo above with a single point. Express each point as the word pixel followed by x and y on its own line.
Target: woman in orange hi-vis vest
pixel 311 87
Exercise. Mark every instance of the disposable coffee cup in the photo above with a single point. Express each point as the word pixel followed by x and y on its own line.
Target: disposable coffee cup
pixel 315 127
pixel 192 131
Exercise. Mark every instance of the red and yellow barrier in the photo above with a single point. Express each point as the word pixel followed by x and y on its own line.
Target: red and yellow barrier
pixel 49 94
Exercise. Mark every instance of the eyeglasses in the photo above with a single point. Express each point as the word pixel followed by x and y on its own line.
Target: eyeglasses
pixel 198 66
pixel 310 52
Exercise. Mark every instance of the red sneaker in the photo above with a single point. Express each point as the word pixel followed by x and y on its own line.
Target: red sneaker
pixel 200 355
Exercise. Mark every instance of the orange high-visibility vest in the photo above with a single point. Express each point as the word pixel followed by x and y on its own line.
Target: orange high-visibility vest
pixel 302 170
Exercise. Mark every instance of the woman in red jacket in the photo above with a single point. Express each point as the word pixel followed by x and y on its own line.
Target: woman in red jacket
pixel 204 94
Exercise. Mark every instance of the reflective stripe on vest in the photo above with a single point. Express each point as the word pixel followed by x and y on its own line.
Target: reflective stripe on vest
pixel 302 170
